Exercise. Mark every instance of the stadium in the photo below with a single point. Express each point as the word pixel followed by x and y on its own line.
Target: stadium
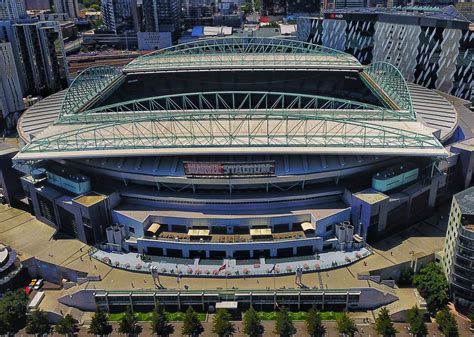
pixel 242 151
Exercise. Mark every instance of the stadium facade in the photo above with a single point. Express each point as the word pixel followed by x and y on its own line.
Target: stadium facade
pixel 431 46
pixel 239 148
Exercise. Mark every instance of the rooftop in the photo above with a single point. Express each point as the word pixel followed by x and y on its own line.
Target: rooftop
pixel 190 120
pixel 90 199
pixel 442 13
pixel 371 196
pixel 465 200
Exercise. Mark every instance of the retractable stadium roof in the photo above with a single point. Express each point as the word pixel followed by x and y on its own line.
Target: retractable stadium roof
pixel 237 122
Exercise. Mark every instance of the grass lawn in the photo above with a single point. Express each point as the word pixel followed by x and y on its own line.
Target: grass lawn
pixel 146 316
pixel 299 315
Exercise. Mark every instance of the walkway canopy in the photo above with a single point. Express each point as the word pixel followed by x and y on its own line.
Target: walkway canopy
pixel 199 232
pixel 261 232
pixel 307 226
pixel 154 228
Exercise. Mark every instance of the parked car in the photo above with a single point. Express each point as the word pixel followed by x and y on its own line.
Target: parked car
pixel 38 284
pixel 33 282
pixel 28 289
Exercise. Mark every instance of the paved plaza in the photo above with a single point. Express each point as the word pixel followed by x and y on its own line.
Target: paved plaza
pixel 31 237
pixel 167 266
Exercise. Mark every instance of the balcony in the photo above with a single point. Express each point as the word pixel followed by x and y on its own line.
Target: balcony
pixel 229 238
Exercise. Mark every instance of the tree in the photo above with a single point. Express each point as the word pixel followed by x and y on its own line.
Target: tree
pixel 417 322
pixel 314 324
pixel 252 326
pixel 191 325
pixel 129 323
pixel 384 325
pixel 283 324
pixel 221 324
pixel 13 311
pixel 406 277
pixel 346 325
pixel 67 326
pixel 160 324
pixel 37 323
pixel 447 323
pixel 432 285
pixel 99 323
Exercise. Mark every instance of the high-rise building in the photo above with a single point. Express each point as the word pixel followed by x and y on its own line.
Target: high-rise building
pixel 458 258
pixel 11 96
pixel 69 7
pixel 118 15
pixel 39 55
pixel 431 46
pixel 161 15
pixel 338 4
pixel 12 9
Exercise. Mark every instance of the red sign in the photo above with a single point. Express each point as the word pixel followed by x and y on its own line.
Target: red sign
pixel 229 169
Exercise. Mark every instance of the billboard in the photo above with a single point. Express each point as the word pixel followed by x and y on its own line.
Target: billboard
pixel 229 169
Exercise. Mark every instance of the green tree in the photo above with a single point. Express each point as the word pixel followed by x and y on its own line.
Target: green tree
pixel 13 311
pixel 417 322
pixel 99 323
pixel 67 326
pixel 384 325
pixel 221 324
pixel 314 323
pixel 346 325
pixel 406 277
pixel 129 323
pixel 432 285
pixel 37 323
pixel 252 326
pixel 447 323
pixel 191 325
pixel 160 324
pixel 283 324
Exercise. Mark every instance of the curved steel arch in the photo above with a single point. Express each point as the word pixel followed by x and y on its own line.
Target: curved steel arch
pixel 87 85
pixel 247 44
pixel 391 81
pixel 234 103
pixel 221 49
pixel 207 131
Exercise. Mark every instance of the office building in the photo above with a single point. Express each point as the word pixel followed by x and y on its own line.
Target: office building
pixel 161 15
pixel 39 55
pixel 118 15
pixel 153 40
pixel 11 96
pixel 458 257
pixel 12 9
pixel 431 46
pixel 69 7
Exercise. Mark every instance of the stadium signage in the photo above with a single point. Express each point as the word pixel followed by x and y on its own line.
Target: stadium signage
pixel 229 169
